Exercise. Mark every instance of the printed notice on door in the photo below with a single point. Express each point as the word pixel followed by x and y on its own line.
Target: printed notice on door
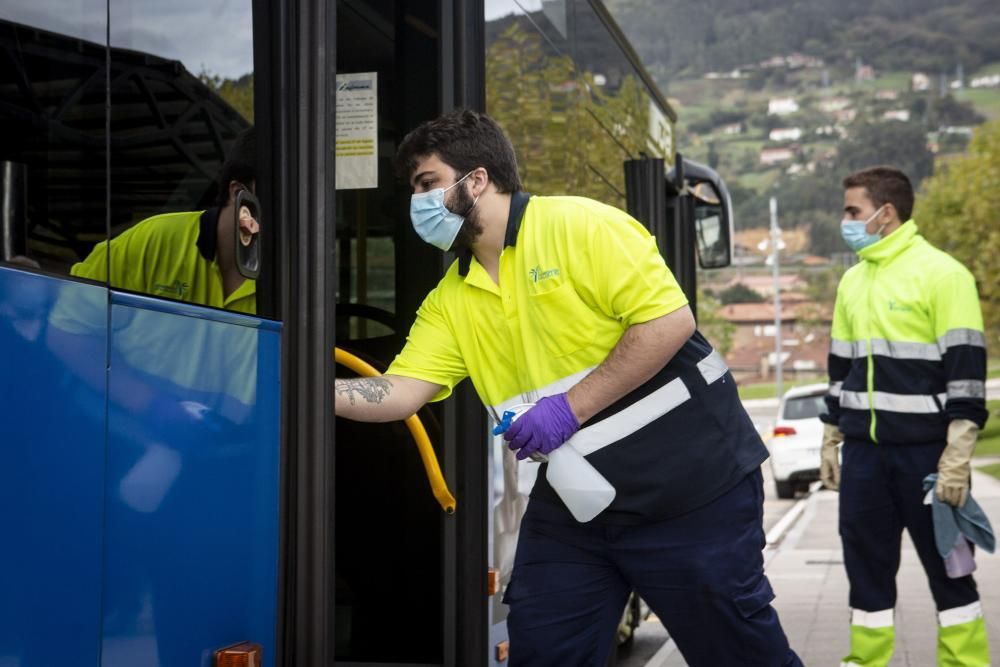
pixel 357 131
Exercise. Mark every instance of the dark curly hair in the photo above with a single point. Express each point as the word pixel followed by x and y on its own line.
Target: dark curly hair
pixel 240 165
pixel 464 140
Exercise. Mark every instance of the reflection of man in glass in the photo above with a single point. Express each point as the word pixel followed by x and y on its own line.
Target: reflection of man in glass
pixel 188 256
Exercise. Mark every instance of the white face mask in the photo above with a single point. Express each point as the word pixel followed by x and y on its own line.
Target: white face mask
pixel 432 220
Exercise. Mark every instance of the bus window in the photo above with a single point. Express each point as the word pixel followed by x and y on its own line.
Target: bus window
pixel 181 117
pixel 52 169
pixel 52 145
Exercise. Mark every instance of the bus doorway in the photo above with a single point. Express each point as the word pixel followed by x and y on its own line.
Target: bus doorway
pixel 395 549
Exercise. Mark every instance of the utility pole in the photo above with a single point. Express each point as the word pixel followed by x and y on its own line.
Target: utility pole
pixel 776 245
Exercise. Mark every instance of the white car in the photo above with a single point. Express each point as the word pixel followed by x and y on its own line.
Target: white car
pixel 796 439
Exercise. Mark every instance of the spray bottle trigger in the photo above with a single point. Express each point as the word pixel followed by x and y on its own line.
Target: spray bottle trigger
pixel 505 422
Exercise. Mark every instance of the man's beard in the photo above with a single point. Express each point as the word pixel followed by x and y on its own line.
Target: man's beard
pixel 470 230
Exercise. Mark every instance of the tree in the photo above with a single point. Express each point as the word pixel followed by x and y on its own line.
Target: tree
pixel 740 293
pixel 958 212
pixel 824 235
pixel 570 135
pixel 949 111
pixel 822 285
pixel 904 145
pixel 718 330
pixel 238 93
pixel 713 156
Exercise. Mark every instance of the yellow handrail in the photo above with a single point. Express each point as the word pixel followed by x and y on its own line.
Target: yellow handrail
pixel 438 486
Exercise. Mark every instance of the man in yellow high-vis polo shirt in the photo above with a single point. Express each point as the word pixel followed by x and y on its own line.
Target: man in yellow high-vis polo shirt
pixel 907 398
pixel 566 303
pixel 188 256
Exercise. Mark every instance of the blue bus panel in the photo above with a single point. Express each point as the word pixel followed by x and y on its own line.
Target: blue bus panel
pixel 191 555
pixel 52 452
pixel 139 477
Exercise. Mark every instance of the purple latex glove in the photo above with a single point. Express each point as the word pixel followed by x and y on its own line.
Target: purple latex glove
pixel 542 428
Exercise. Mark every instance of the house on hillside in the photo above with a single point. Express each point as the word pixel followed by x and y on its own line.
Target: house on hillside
pixel 961 130
pixel 832 104
pixel 920 82
pixel 764 284
pixel 988 81
pixel 799 60
pixel 902 115
pixel 733 74
pixel 791 61
pixel 782 106
pixel 805 340
pixel 785 134
pixel 845 116
pixel 771 156
pixel 799 168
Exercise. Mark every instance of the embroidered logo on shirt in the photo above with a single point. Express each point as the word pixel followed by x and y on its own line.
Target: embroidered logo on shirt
pixel 537 274
pixel 896 306
pixel 178 288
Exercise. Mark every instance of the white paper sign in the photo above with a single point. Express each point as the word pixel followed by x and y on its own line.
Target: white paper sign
pixel 357 131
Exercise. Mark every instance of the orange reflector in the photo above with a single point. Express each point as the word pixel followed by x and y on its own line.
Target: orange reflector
pixel 492 581
pixel 780 431
pixel 503 650
pixel 244 654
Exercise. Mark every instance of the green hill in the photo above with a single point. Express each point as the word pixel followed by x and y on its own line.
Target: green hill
pixel 684 38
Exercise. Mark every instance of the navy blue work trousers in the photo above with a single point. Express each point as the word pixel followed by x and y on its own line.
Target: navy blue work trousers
pixel 701 573
pixel 881 492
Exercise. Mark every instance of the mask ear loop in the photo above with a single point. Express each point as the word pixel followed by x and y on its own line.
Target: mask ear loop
pixel 878 211
pixel 475 201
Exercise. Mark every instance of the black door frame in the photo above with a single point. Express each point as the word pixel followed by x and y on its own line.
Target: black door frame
pixel 295 57
pixel 463 72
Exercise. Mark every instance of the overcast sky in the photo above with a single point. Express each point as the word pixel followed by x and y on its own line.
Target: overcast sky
pixel 497 8
pixel 213 36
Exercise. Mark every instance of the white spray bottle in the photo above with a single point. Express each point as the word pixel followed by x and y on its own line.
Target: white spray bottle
pixel 585 491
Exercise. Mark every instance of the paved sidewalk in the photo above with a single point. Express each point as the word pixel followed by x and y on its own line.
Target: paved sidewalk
pixel 808 576
pixel 807 573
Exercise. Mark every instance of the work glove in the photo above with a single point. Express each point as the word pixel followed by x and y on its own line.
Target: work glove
pixel 542 428
pixel 953 466
pixel 829 457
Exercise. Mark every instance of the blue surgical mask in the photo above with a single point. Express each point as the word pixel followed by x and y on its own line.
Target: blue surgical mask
pixel 855 235
pixel 432 220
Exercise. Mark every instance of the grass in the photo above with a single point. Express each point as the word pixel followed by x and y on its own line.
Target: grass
pixel 993 368
pixel 989 437
pixel 985 100
pixel 769 389
pixel 992 68
pixel 760 180
pixel 991 469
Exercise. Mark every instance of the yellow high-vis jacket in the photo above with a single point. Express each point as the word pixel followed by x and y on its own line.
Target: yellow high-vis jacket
pixel 907 350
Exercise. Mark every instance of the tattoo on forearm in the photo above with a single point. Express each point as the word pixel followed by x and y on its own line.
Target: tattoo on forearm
pixel 371 390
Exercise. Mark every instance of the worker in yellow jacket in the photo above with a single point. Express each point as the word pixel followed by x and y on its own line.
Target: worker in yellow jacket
pixel 907 396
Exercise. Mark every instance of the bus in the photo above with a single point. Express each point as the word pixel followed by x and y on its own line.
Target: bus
pixel 176 488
